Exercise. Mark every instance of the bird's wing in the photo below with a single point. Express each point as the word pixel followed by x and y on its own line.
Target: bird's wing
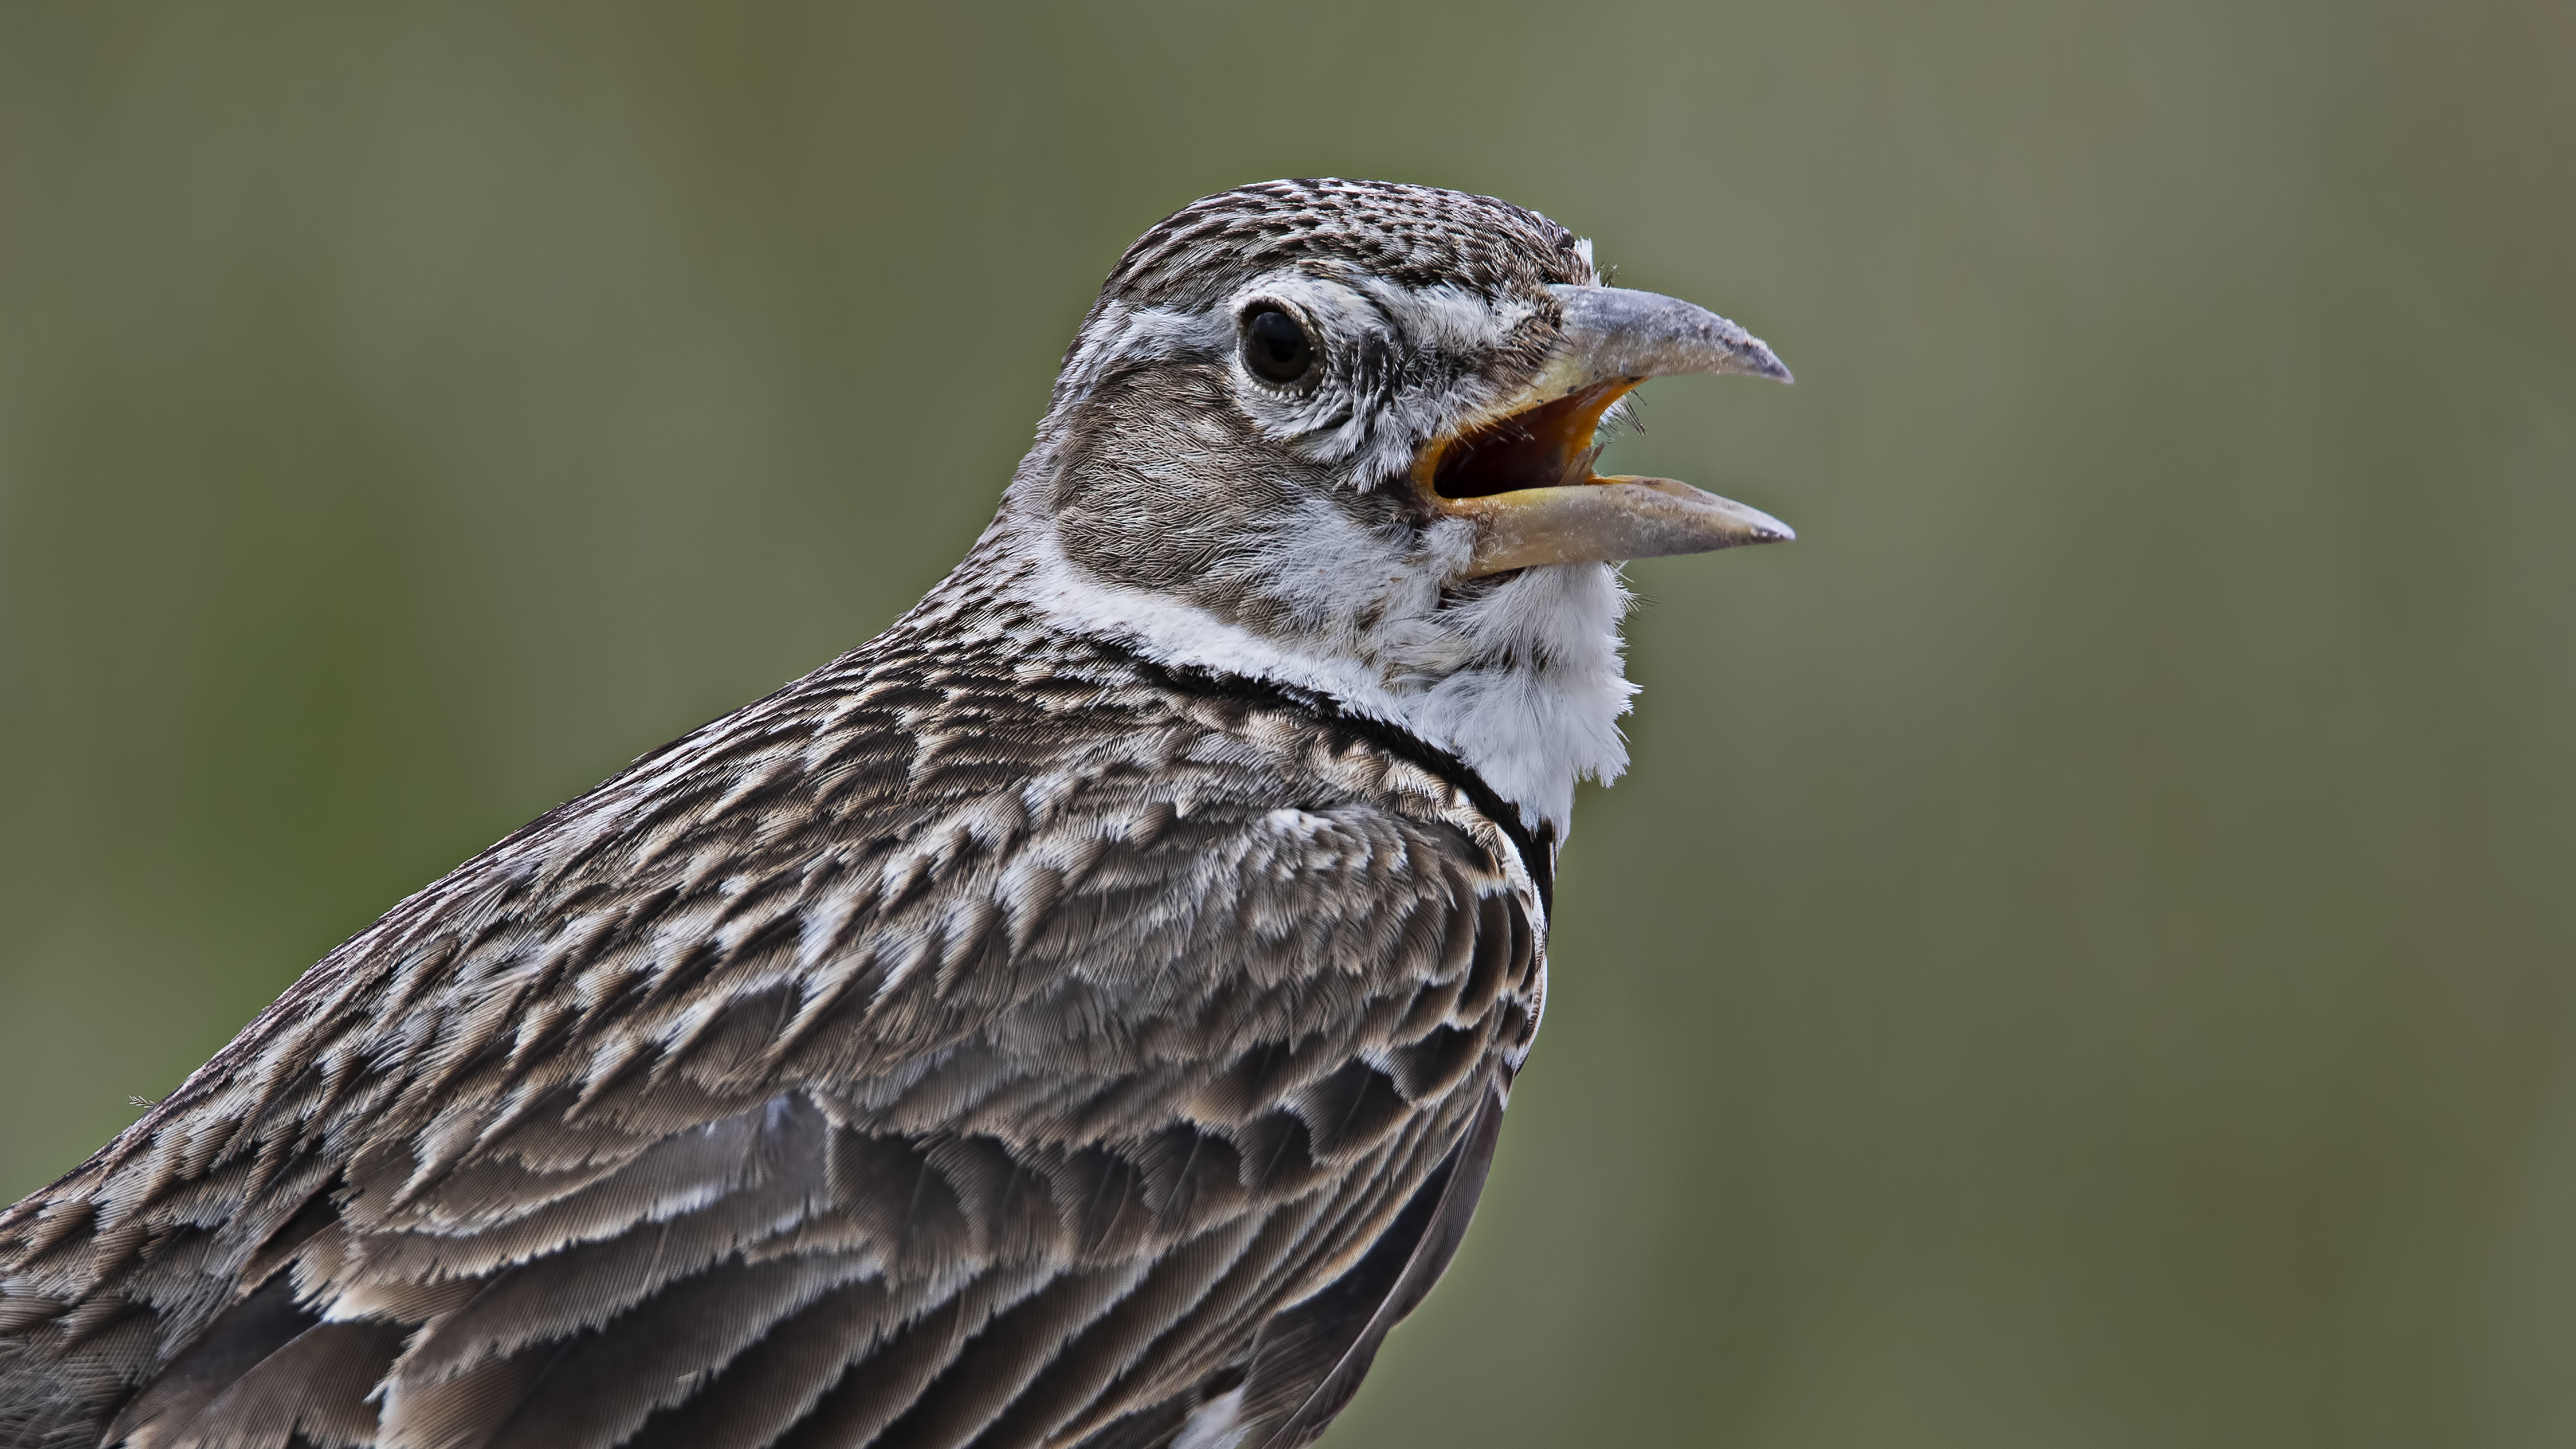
pixel 1004 1133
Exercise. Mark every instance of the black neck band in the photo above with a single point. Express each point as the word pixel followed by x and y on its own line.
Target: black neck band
pixel 1537 848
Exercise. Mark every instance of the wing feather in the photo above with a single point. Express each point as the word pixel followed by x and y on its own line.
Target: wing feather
pixel 835 1081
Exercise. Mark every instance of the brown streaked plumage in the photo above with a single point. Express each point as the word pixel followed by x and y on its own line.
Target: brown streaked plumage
pixel 1081 1015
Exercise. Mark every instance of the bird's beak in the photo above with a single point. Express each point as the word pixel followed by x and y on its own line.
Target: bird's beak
pixel 1524 475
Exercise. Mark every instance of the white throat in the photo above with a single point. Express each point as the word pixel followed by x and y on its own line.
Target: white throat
pixel 1523 683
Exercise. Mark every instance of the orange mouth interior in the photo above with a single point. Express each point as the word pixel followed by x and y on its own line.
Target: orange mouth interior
pixel 1548 446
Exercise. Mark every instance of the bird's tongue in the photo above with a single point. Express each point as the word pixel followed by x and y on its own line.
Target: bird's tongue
pixel 1548 446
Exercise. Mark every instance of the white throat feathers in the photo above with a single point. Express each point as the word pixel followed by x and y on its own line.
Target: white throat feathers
pixel 1520 677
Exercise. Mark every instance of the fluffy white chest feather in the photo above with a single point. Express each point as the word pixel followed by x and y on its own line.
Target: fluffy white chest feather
pixel 1520 678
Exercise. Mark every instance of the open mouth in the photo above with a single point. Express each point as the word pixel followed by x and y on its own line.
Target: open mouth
pixel 1548 446
pixel 1525 483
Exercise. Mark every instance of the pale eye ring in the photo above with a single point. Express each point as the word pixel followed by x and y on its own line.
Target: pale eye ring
pixel 1276 348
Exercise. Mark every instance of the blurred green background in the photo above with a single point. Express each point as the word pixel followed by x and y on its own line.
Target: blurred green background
pixel 2087 953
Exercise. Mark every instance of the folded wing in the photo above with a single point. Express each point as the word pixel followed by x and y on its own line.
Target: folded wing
pixel 1098 1125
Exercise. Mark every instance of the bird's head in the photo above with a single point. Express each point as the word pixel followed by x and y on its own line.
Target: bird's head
pixel 1340 435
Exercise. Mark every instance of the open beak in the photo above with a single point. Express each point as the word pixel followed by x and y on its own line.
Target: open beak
pixel 1525 478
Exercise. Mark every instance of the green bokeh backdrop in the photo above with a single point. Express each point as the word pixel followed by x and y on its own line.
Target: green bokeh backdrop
pixel 2087 953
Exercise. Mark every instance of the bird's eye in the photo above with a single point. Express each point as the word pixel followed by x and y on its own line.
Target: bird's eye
pixel 1275 347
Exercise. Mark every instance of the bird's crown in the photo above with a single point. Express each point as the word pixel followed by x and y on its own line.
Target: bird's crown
pixel 1413 236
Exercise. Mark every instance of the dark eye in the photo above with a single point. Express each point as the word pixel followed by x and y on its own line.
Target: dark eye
pixel 1275 347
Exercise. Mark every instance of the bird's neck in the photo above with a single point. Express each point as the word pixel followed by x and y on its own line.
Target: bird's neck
pixel 1520 678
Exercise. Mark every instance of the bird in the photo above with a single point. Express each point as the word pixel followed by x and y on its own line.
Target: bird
pixel 1081 1015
